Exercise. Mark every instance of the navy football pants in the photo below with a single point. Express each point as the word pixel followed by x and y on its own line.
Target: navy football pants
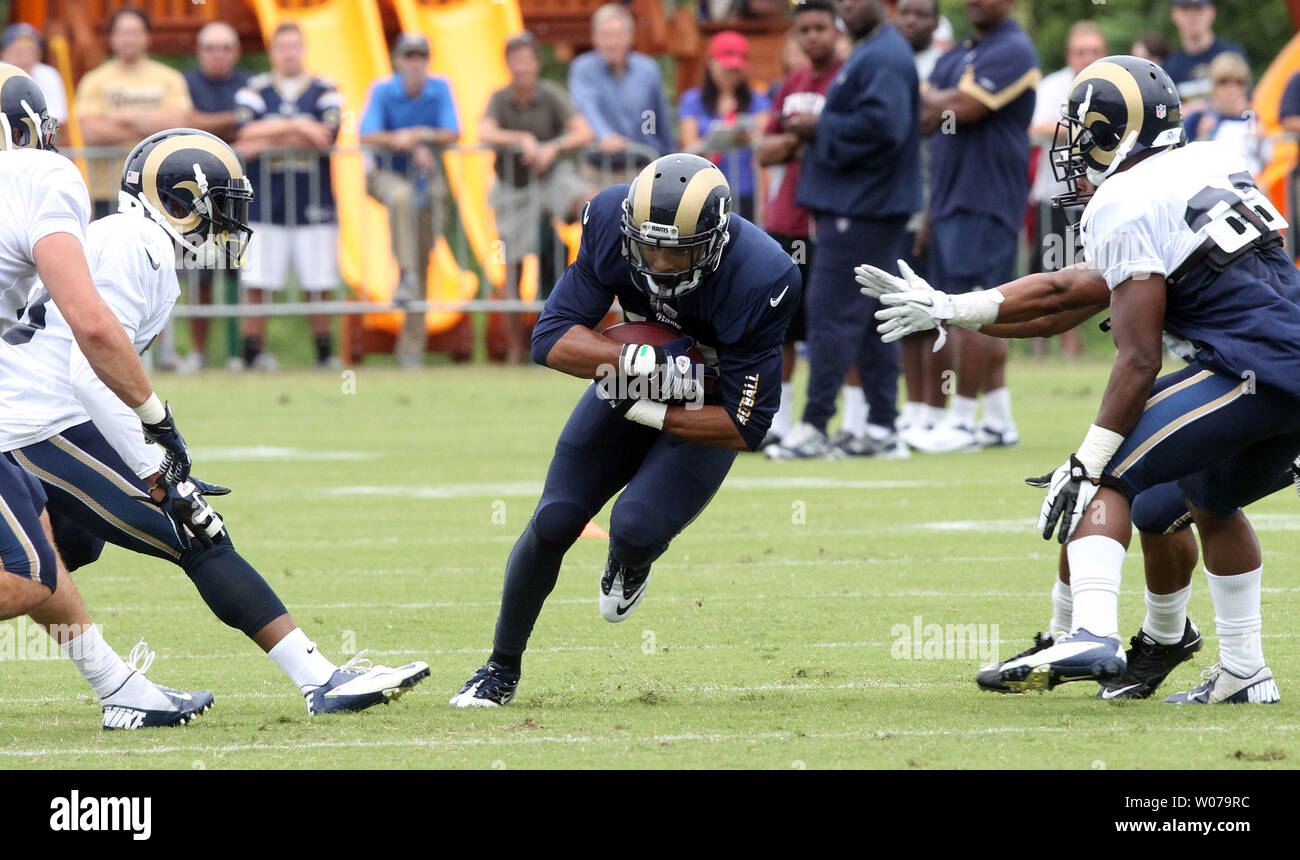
pixel 666 482
pixel 842 323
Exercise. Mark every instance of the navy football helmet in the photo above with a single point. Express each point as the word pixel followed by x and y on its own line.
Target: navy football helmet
pixel 674 223
pixel 24 120
pixel 1118 107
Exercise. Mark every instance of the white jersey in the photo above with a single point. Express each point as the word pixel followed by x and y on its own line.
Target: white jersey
pixel 43 194
pixel 46 383
pixel 1151 218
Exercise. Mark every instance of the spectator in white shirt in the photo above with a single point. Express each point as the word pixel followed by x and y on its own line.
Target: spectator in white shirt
pixel 22 47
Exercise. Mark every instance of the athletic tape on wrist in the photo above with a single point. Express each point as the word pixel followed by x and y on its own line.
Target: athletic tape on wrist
pixel 152 410
pixel 1097 448
pixel 648 412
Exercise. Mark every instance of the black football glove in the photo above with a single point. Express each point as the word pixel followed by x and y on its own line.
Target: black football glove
pixel 1070 489
pixel 193 517
pixel 175 467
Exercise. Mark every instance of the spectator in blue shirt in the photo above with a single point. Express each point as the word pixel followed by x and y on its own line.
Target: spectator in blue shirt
pixel 1189 66
pixel 726 101
pixel 213 85
pixel 977 109
pixel 408 118
pixel 620 93
pixel 1228 118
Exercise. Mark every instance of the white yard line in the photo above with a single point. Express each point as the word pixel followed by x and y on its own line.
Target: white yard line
pixel 619 737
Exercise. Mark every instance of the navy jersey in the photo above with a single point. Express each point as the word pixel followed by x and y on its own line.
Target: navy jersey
pixel 984 167
pixel 737 316
pixel 865 159
pixel 291 189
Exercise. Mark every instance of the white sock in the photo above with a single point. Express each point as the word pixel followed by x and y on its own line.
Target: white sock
pixel 1062 609
pixel 997 408
pixel 1167 616
pixel 297 657
pixel 1095 563
pixel 1238 621
pixel 784 419
pixel 855 410
pixel 962 410
pixel 933 415
pixel 97 662
pixel 913 413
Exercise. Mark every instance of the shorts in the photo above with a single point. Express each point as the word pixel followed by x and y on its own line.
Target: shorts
pixel 519 211
pixel 970 251
pixel 24 550
pixel 312 250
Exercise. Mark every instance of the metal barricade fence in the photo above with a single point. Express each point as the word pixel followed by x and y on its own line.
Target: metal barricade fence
pixel 292 182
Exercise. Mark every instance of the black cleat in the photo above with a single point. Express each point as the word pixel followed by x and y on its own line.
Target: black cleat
pixel 1149 663
pixel 990 677
pixel 621 589
pixel 492 686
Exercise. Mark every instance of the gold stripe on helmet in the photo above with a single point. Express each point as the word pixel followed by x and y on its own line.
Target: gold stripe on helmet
pixel 9 70
pixel 1123 81
pixel 645 186
pixel 697 191
pixel 169 147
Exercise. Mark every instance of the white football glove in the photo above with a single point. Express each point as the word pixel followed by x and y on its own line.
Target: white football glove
pixel 877 283
pixel 1070 489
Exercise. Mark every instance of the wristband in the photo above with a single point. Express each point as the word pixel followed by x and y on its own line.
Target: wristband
pixel 151 411
pixel 1098 447
pixel 972 310
pixel 648 412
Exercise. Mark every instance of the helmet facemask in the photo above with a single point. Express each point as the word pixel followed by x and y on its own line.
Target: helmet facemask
pixel 210 221
pixel 703 253
pixel 35 132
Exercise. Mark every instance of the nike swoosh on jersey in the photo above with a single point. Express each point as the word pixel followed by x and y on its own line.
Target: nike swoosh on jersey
pixel 776 301
pixel 152 261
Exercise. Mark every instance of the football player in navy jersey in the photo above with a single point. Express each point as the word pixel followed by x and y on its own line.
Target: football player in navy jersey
pixel 668 248
pixel 1189 247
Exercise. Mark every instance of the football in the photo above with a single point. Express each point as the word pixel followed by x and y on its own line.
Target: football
pixel 657 334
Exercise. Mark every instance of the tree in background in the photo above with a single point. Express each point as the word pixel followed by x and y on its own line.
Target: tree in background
pixel 1262 27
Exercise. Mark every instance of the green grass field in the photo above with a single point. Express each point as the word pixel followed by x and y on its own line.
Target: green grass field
pixel 769 637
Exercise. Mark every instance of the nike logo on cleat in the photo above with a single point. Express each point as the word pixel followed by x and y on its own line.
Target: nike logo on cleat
pixel 123 718
pixel 1110 694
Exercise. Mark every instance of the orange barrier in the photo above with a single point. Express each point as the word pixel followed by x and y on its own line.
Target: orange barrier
pixel 1267 104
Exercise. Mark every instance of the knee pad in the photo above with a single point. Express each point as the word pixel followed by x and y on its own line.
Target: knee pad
pixel 1161 510
pixel 559 522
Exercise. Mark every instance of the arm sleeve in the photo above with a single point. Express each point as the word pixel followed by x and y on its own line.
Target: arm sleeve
pixel 60 204
pixel 1000 75
pixel 585 94
pixel 750 373
pixel 249 106
pixel 1120 241
pixel 877 122
pixel 578 298
pixel 329 109
pixel 113 418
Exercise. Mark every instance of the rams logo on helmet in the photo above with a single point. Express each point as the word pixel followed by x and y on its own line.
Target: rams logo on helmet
pixel 674 223
pixel 191 183
pixel 1118 107
pixel 24 120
